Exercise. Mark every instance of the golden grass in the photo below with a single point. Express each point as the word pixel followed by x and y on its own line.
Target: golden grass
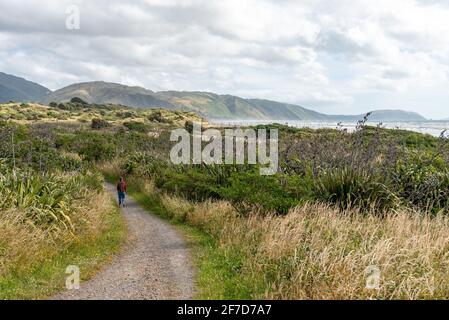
pixel 110 169
pixel 319 252
pixel 32 113
pixel 23 245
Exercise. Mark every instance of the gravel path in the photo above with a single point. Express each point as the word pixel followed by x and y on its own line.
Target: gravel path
pixel 153 265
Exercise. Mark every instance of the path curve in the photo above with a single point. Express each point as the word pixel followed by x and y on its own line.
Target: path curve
pixel 153 265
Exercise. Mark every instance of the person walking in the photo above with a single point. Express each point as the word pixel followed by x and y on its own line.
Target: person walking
pixel 121 191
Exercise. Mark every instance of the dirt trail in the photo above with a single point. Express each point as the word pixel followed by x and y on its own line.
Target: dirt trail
pixel 153 265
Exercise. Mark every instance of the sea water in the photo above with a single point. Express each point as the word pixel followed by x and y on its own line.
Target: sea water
pixel 434 128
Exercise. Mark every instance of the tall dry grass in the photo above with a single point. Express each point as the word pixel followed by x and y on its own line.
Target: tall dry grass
pixel 23 245
pixel 110 169
pixel 320 252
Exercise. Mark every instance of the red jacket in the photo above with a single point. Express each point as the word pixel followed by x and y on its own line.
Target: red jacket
pixel 119 189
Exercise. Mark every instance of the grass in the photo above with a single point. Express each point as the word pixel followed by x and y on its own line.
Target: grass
pixel 89 252
pixel 27 113
pixel 316 251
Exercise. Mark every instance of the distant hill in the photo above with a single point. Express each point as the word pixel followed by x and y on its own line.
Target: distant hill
pixel 214 106
pixel 209 105
pixel 384 116
pixel 13 88
pixel 206 104
pixel 105 92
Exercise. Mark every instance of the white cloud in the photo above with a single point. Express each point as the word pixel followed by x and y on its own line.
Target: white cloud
pixel 323 54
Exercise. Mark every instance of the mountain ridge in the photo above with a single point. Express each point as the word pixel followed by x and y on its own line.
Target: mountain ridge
pixel 19 89
pixel 207 104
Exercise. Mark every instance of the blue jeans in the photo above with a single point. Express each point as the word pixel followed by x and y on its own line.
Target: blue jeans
pixel 121 198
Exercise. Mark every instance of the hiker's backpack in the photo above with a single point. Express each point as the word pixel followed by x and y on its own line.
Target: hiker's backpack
pixel 121 186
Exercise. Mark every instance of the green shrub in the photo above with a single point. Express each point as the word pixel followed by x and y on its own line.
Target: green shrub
pixel 156 116
pixel 78 100
pixel 98 124
pixel 52 114
pixel 349 187
pixel 255 190
pixel 47 199
pixel 422 179
pixel 124 114
pixel 70 106
pixel 137 126
pixel 97 150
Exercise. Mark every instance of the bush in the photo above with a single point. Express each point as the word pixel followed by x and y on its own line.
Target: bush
pixel 422 179
pixel 69 106
pixel 47 199
pixel 98 124
pixel 252 189
pixel 137 126
pixel 52 114
pixel 97 149
pixel 350 187
pixel 78 100
pixel 156 116
pixel 124 114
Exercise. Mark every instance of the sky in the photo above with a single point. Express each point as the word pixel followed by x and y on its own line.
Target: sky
pixel 337 57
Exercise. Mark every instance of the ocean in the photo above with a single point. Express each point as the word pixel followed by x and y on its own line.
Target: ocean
pixel 434 128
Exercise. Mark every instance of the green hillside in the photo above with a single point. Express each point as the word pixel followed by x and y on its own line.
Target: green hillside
pixel 208 105
pixel 13 88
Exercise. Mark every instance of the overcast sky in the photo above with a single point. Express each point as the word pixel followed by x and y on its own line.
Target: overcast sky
pixel 335 56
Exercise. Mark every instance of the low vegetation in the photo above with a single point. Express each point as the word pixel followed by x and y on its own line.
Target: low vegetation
pixel 54 213
pixel 315 251
pixel 79 111
pixel 340 206
pixel 373 169
pixel 49 223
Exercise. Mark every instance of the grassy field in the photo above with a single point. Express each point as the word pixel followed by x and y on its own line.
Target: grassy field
pixel 344 211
